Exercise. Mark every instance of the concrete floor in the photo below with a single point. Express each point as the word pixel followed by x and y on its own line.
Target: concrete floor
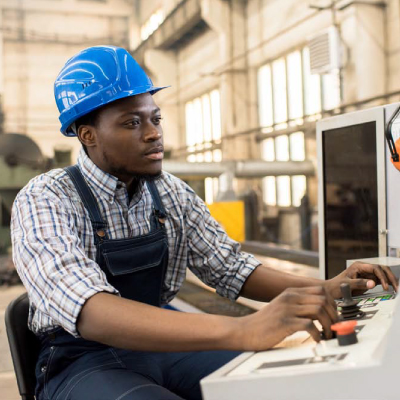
pixel 8 384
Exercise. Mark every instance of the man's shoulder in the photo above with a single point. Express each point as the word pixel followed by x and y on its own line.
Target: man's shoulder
pixel 171 184
pixel 53 183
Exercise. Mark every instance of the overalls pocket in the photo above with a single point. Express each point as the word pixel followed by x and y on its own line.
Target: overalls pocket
pixel 135 258
pixel 137 267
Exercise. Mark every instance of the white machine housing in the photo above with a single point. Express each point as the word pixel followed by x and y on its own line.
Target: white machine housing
pixel 367 370
pixel 388 180
pixel 300 369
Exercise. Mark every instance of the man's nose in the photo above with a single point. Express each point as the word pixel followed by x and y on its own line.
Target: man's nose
pixel 152 132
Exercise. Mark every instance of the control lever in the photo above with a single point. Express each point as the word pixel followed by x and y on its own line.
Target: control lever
pixel 349 307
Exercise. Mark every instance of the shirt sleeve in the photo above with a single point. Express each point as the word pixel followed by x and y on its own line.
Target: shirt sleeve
pixel 50 259
pixel 213 256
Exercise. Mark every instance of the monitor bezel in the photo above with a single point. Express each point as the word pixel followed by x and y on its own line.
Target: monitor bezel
pixel 341 121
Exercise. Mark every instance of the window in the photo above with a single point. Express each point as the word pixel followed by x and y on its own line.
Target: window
pixel 155 20
pixel 288 94
pixel 284 191
pixel 211 189
pixel 203 135
pixel 203 127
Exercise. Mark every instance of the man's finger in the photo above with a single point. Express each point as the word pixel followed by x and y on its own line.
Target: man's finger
pixel 391 277
pixel 319 313
pixel 322 301
pixel 379 272
pixel 361 284
pixel 318 291
pixel 306 324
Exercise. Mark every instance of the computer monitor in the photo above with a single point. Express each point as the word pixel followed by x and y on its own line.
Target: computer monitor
pixel 354 197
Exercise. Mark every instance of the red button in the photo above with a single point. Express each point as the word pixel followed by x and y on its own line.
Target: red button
pixel 344 328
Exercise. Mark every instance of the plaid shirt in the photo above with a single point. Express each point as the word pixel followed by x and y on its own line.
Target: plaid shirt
pixel 54 250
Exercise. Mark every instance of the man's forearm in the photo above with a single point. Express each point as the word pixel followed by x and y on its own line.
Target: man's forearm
pixel 265 283
pixel 127 324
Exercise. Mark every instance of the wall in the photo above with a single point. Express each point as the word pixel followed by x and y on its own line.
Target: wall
pixel 38 38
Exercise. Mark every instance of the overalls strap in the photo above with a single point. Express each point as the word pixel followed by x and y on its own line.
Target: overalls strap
pixel 159 210
pixel 88 199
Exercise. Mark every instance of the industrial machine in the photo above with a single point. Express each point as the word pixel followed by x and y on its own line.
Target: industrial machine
pixel 20 161
pixel 359 219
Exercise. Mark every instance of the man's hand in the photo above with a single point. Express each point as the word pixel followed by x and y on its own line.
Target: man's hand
pixel 293 310
pixel 362 277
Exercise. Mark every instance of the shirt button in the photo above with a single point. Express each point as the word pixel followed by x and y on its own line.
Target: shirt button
pixel 44 368
pixel 51 348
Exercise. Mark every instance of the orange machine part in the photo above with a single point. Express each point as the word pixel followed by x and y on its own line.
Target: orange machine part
pixel 344 328
pixel 396 163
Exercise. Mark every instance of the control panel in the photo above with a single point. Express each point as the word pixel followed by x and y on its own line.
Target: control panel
pixel 364 367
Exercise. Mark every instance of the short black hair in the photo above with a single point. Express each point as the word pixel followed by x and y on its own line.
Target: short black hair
pixel 91 118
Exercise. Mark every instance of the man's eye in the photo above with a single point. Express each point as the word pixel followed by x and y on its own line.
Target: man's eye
pixel 133 122
pixel 157 120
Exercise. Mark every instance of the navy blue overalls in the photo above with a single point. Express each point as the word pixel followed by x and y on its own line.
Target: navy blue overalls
pixel 77 369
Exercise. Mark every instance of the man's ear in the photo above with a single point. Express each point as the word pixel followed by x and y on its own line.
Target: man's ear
pixel 87 135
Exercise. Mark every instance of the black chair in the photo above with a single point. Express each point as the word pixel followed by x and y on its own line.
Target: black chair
pixel 24 346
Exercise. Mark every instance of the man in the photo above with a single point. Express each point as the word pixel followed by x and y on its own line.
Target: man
pixel 101 245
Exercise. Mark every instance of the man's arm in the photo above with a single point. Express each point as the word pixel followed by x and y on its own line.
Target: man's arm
pixel 265 283
pixel 124 323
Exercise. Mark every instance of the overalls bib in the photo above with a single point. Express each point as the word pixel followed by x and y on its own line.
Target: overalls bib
pixel 72 368
pixel 134 266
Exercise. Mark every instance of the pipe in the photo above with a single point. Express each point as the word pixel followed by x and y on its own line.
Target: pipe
pixel 240 169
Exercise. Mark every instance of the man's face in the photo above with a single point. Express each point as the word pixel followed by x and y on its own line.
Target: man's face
pixel 128 138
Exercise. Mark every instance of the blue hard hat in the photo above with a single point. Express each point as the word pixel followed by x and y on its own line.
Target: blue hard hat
pixel 94 77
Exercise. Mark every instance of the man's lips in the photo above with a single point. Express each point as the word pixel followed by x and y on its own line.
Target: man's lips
pixel 157 153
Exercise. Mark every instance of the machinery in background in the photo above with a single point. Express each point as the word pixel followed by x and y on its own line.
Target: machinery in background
pixel 20 161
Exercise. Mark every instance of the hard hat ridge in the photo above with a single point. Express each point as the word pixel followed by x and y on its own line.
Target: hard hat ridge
pixel 94 77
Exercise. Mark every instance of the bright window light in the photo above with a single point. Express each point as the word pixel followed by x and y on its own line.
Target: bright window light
pixel 211 186
pixel 215 188
pixel 203 125
pixel 283 185
pixel 208 156
pixel 299 184
pixel 295 85
pixel 311 86
pixel 198 118
pixel 279 84
pixel 265 96
pixel 217 155
pixel 209 190
pixel 190 124
pixel 297 147
pixel 268 149
pixel 155 20
pixel 282 148
pixel 215 114
pixel 205 100
pixel 269 190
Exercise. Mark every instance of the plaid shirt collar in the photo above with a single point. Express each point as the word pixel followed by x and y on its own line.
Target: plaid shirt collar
pixel 101 182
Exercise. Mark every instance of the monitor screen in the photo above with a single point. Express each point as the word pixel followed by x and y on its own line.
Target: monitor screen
pixel 350 195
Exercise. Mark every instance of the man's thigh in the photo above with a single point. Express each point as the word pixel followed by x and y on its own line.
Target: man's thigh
pixel 116 384
pixel 183 371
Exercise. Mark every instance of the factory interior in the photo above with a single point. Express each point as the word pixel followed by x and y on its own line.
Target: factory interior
pixel 277 115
